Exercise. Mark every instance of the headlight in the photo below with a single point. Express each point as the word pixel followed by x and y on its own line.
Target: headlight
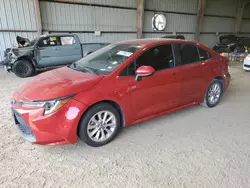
pixel 49 106
pixel 248 58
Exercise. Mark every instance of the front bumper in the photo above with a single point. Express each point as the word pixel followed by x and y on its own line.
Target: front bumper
pixel 54 129
pixel 7 63
pixel 246 65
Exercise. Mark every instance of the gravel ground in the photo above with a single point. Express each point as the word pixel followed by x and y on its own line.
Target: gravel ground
pixel 195 147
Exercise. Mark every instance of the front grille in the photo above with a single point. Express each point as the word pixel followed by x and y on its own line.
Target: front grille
pixel 248 66
pixel 23 128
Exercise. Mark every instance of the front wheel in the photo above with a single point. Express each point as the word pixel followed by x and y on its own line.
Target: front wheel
pixel 213 94
pixel 23 68
pixel 99 125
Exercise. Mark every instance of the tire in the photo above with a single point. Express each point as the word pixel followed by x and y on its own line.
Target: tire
pixel 23 68
pixel 90 124
pixel 207 102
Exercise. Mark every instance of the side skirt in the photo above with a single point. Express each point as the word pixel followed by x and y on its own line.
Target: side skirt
pixel 164 113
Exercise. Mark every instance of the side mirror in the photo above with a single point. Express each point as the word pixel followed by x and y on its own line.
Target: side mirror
pixel 144 71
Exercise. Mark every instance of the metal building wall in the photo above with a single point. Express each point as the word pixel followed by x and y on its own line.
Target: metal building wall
pixel 219 18
pixel 180 14
pixel 245 25
pixel 17 17
pixel 116 19
pixel 119 3
pixel 114 23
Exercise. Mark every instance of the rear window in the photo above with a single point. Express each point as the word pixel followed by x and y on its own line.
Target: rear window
pixel 204 54
pixel 188 53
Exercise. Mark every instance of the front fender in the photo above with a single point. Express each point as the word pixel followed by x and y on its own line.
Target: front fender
pixel 91 98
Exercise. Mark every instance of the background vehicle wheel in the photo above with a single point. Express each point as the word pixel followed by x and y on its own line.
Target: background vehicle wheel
pixel 213 94
pixel 23 68
pixel 99 125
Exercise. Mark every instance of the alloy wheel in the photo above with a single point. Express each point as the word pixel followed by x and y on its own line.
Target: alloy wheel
pixel 101 126
pixel 214 93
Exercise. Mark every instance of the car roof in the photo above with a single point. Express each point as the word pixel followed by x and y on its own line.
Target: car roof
pixel 58 34
pixel 155 41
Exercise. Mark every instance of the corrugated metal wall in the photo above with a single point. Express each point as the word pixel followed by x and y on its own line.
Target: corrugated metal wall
pixel 70 17
pixel 114 23
pixel 16 15
pixel 116 19
pixel 188 6
pixel 120 3
pixel 219 18
pixel 221 7
pixel 181 18
pixel 180 14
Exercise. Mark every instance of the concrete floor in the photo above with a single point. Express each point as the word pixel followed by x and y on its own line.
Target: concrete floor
pixel 196 147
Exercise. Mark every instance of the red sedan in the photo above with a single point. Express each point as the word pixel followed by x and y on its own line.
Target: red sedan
pixel 117 86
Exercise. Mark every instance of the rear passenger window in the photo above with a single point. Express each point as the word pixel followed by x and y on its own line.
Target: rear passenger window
pixel 67 40
pixel 188 53
pixel 204 55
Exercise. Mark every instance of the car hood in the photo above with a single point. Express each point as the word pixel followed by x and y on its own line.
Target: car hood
pixel 18 52
pixel 22 51
pixel 57 83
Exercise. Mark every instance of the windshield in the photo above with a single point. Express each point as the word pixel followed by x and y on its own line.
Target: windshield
pixel 33 41
pixel 107 59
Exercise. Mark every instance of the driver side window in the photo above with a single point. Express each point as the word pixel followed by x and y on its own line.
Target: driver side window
pixel 49 41
pixel 159 57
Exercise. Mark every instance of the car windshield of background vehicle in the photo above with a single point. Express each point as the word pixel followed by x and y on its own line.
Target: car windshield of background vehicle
pixel 107 59
pixel 32 43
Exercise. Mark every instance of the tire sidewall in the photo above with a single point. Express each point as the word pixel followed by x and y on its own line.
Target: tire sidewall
pixel 82 129
pixel 27 63
pixel 222 91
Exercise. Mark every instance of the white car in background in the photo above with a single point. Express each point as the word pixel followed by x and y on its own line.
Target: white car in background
pixel 246 63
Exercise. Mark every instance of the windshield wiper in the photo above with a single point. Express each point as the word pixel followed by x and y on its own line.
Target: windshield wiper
pixel 91 70
pixel 84 69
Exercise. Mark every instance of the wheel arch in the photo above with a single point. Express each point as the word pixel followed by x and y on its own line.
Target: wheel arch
pixel 209 82
pixel 27 58
pixel 112 103
pixel 221 79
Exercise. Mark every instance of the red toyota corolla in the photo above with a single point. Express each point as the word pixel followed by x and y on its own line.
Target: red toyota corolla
pixel 117 86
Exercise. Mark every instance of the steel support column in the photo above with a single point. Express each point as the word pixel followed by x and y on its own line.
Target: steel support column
pixel 199 19
pixel 140 14
pixel 38 17
pixel 239 14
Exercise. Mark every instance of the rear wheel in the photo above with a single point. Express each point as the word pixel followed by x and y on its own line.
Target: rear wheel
pixel 213 94
pixel 99 125
pixel 23 68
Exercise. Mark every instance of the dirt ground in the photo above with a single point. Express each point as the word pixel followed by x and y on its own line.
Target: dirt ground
pixel 195 147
